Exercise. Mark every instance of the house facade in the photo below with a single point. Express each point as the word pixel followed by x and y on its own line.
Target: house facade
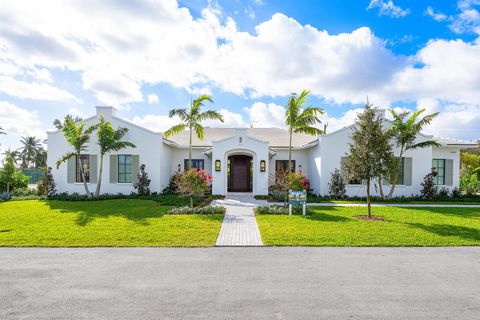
pixel 239 159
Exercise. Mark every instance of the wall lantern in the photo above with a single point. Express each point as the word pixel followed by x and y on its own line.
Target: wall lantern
pixel 217 165
pixel 179 167
pixel 263 166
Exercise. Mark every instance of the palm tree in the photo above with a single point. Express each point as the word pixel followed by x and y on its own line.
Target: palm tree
pixel 29 150
pixel 59 124
pixel 300 120
pixel 405 129
pixel 191 119
pixel 109 140
pixel 77 136
pixel 2 131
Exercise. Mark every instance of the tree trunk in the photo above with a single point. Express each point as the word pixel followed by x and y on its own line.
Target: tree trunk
pixel 395 176
pixel 368 199
pixel 83 176
pixel 380 187
pixel 191 202
pixel 190 150
pixel 289 164
pixel 99 183
pixel 8 187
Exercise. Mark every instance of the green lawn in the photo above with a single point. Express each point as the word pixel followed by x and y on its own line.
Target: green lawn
pixel 336 226
pixel 102 223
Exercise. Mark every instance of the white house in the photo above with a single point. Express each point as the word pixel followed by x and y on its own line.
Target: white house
pixel 239 159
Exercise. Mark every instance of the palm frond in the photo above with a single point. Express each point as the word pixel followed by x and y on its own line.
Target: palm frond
pixel 64 158
pixel 179 112
pixel 199 131
pixel 424 144
pixel 209 115
pixel 176 129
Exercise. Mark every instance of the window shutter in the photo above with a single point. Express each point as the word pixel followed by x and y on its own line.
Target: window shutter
pixel 343 168
pixel 113 168
pixel 407 171
pixel 93 168
pixel 449 172
pixel 71 169
pixel 135 167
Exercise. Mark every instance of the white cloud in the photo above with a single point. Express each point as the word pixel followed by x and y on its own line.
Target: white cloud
pixel 152 98
pixel 34 90
pixel 437 16
pixel 388 8
pixel 265 115
pixel 20 122
pixel 155 123
pixel 230 119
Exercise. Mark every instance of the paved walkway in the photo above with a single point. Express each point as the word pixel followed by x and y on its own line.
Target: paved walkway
pixel 239 227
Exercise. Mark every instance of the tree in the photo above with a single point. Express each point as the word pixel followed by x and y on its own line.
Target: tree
pixel 46 184
pixel 193 183
pixel 2 131
pixel 191 119
pixel 31 146
pixel 336 187
pixel 109 140
pixel 429 189
pixel 10 177
pixel 143 184
pixel 60 124
pixel 406 127
pixel 77 135
pixel 40 160
pixel 299 120
pixel 369 150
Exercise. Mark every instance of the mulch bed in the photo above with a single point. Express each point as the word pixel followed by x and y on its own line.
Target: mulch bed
pixel 373 218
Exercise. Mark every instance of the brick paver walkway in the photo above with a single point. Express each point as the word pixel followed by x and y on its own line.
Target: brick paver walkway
pixel 239 227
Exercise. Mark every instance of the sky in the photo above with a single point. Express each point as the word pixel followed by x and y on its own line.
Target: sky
pixel 145 57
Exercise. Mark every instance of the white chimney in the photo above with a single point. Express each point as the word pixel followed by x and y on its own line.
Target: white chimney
pixel 106 111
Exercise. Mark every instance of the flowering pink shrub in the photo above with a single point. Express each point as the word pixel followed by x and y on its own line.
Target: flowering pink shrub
pixel 193 183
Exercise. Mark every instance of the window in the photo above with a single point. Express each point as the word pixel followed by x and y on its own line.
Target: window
pixel 283 165
pixel 196 163
pixel 438 166
pixel 124 168
pixel 355 181
pixel 86 168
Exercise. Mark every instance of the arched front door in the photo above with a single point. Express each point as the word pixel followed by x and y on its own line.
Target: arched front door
pixel 240 173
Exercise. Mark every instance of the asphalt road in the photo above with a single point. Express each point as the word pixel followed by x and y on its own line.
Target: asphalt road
pixel 240 283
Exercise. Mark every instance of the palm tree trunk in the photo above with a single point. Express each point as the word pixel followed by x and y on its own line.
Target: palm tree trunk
pixel 190 161
pixel 289 165
pixel 395 176
pixel 368 200
pixel 99 183
pixel 83 176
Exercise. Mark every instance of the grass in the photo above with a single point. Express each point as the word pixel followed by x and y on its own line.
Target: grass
pixel 106 223
pixel 336 226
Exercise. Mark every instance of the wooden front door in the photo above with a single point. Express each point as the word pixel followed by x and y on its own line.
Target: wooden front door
pixel 239 177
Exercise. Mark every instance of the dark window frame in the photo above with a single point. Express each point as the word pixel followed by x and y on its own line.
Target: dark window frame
pixel 86 168
pixel 439 179
pixel 123 166
pixel 195 164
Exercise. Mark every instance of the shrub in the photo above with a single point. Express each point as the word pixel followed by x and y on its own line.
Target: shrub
pixel 285 181
pixel 172 186
pixel 46 185
pixel 11 178
pixel 336 187
pixel 456 193
pixel 469 183
pixel 429 189
pixel 193 183
pixel 443 193
pixel 143 184
pixel 280 210
pixel 4 196
pixel 197 210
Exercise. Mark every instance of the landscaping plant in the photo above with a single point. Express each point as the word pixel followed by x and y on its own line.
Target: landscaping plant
pixel 191 119
pixel 11 178
pixel 301 120
pixel 369 150
pixel 429 189
pixel 143 184
pixel 109 140
pixel 193 183
pixel 46 185
pixel 77 136
pixel 336 186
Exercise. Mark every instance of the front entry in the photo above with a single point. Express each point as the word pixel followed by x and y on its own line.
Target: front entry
pixel 240 173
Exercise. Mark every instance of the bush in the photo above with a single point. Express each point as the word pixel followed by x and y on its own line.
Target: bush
pixel 193 183
pixel 198 210
pixel 11 178
pixel 336 187
pixel 280 210
pixel 443 194
pixel 429 189
pixel 469 183
pixel 143 184
pixel 4 196
pixel 456 193
pixel 172 186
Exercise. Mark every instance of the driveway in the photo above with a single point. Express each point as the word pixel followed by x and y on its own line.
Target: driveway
pixel 240 283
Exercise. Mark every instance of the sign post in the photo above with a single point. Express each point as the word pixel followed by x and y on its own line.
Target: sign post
pixel 297 198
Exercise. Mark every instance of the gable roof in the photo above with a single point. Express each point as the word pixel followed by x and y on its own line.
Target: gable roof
pixel 275 136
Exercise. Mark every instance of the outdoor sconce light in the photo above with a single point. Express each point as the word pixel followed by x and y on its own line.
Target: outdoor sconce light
pixel 217 165
pixel 300 168
pixel 263 166
pixel 179 167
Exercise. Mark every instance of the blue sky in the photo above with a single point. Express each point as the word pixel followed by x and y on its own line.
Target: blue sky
pixel 148 56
